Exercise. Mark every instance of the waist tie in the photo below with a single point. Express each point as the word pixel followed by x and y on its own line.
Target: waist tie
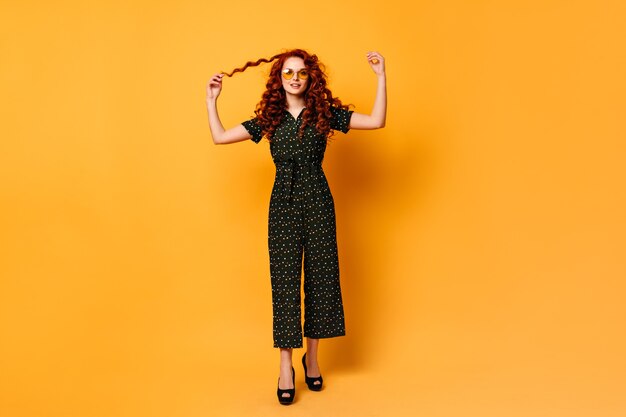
pixel 285 174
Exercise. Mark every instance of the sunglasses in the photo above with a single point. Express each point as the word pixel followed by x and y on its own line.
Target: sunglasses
pixel 288 73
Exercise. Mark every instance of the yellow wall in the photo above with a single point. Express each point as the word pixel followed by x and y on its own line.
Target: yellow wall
pixel 481 233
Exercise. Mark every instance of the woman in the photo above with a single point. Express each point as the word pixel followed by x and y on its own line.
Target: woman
pixel 297 114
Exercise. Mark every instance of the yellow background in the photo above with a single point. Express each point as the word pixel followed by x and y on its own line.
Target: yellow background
pixel 481 232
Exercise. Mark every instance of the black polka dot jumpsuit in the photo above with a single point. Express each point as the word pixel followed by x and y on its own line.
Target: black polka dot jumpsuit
pixel 302 222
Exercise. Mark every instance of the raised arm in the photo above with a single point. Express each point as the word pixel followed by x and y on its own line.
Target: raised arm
pixel 376 119
pixel 220 135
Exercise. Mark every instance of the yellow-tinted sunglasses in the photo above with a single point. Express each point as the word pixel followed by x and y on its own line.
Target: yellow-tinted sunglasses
pixel 288 73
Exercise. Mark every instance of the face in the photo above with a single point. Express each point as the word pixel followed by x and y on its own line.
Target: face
pixel 296 85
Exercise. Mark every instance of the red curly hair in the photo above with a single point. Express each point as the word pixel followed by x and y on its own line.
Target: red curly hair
pixel 318 98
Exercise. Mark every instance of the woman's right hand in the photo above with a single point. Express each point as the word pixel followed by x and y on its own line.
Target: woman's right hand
pixel 214 86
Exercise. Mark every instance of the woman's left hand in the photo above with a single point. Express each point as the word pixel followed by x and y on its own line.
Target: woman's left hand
pixel 377 62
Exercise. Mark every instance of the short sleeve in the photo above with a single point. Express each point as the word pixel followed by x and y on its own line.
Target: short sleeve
pixel 254 128
pixel 340 119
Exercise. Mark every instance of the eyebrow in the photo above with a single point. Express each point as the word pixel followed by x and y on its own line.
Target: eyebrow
pixel 293 69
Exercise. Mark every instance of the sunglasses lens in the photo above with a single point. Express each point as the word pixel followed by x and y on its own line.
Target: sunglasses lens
pixel 303 74
pixel 288 74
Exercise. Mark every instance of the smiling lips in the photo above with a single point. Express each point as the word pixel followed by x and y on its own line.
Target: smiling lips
pixel 295 85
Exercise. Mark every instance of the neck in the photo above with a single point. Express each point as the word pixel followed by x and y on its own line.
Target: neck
pixel 294 102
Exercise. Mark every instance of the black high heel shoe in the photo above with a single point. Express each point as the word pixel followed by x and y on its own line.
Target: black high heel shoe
pixel 310 382
pixel 290 391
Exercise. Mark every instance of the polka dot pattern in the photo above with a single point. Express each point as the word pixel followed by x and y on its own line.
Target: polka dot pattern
pixel 301 228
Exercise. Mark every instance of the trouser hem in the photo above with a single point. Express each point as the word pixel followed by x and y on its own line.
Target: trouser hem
pixel 299 346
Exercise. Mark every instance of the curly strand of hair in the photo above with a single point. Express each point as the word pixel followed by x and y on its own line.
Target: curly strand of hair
pixel 251 64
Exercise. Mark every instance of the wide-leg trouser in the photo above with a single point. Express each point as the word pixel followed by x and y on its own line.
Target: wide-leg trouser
pixel 303 226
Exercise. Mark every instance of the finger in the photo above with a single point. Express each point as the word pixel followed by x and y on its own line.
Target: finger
pixel 374 57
